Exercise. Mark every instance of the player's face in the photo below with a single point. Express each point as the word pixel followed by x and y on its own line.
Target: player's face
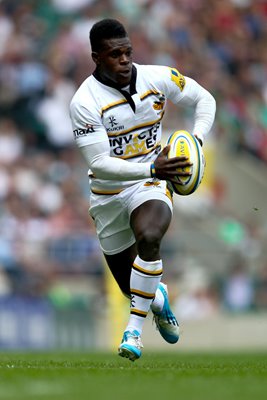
pixel 114 60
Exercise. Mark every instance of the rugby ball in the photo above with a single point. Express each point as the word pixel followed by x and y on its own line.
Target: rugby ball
pixel 183 143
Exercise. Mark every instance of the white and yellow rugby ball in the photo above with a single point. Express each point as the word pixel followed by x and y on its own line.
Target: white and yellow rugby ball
pixel 183 143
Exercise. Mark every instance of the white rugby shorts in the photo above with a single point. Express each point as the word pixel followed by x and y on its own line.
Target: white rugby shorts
pixel 111 213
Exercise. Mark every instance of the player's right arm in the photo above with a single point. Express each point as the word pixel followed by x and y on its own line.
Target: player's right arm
pixel 92 139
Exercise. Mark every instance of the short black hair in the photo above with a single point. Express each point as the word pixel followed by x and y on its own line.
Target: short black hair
pixel 106 29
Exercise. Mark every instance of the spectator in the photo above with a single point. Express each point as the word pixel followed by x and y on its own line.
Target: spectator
pixel 43 59
pixel 238 288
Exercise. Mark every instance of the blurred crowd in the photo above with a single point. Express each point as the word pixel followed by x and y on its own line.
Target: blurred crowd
pixel 45 231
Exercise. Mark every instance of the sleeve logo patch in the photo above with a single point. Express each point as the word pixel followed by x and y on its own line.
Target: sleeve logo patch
pixel 178 78
pixel 83 132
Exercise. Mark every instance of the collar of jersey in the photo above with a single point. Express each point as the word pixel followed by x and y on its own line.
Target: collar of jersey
pixel 126 94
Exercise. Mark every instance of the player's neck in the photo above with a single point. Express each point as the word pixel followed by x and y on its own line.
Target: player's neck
pixel 130 87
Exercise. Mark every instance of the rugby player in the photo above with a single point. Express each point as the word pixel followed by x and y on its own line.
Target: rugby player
pixel 117 117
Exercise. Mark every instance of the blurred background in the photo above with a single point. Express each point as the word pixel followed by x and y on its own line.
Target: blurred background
pixel 55 291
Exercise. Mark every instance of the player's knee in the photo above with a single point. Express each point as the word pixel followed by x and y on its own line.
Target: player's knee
pixel 148 244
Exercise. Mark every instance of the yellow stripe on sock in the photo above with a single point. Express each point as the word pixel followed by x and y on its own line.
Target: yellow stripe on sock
pixel 139 312
pixel 143 294
pixel 146 272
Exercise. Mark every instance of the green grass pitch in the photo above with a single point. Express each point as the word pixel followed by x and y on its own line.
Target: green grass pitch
pixel 100 376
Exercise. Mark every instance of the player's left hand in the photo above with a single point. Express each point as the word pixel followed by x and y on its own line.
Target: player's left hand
pixel 171 168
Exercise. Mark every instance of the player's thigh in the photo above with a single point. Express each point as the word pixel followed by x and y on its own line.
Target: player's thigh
pixel 150 210
pixel 111 220
pixel 151 220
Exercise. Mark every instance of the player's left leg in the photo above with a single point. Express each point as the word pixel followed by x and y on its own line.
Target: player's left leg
pixel 120 265
pixel 164 318
pixel 120 244
pixel 149 222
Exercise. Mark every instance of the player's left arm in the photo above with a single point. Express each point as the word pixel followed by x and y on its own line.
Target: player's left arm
pixel 205 107
pixel 186 91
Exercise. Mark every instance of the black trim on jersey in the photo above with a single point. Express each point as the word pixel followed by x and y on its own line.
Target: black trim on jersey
pixel 127 95
pixel 123 102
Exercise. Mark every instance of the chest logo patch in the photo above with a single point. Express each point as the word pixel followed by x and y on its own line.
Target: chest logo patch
pixel 112 121
pixel 113 125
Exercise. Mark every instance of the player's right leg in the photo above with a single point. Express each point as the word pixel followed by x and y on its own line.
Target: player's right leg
pixel 120 265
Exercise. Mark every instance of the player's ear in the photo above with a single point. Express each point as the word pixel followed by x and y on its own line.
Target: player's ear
pixel 95 57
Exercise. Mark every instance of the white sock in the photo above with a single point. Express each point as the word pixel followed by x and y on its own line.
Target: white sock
pixel 145 277
pixel 158 302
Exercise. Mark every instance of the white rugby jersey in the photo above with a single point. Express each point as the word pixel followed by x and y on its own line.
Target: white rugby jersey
pixel 131 119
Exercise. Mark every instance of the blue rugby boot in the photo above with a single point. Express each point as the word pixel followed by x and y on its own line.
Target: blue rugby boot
pixel 131 345
pixel 165 320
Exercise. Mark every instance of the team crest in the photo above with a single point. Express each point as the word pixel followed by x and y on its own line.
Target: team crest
pixel 178 78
